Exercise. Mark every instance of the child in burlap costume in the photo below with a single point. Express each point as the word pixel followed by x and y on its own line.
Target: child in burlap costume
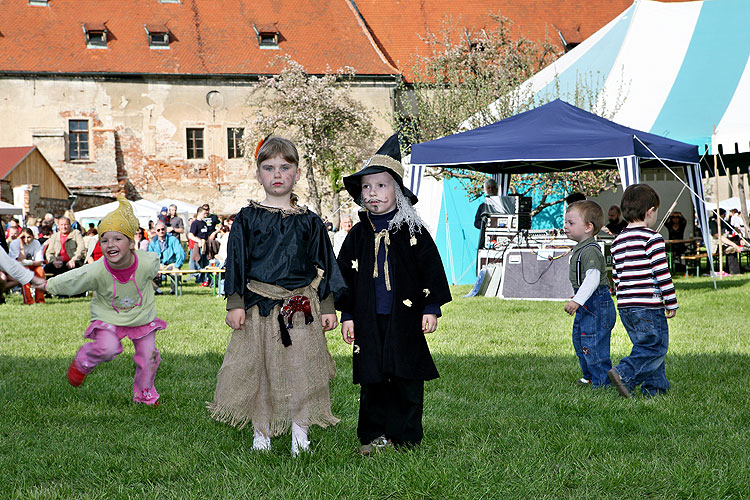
pixel 123 304
pixel 280 280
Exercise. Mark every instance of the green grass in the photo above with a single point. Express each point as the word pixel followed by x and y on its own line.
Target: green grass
pixel 504 420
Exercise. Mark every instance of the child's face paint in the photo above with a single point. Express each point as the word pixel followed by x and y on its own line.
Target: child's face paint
pixel 379 193
pixel 116 248
pixel 277 176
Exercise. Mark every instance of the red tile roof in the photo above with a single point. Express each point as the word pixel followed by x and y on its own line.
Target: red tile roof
pixel 11 157
pixel 399 27
pixel 207 37
pixel 217 36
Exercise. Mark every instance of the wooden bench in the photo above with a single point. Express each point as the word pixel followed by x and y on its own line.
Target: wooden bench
pixel 693 261
pixel 176 275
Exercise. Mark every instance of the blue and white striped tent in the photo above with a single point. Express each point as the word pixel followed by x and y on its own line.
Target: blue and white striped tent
pixel 678 70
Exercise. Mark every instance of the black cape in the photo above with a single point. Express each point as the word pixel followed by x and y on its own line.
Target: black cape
pixel 417 279
pixel 280 247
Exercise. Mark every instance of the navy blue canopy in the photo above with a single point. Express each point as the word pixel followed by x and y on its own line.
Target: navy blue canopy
pixel 554 137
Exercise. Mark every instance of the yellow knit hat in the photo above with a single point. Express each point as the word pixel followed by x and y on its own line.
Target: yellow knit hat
pixel 122 220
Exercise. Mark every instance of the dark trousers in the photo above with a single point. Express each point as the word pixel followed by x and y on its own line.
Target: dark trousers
pixel 56 271
pixel 392 408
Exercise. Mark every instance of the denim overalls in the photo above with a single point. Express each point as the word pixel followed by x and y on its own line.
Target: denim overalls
pixel 592 328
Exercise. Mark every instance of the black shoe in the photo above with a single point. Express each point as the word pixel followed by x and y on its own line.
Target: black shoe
pixel 158 292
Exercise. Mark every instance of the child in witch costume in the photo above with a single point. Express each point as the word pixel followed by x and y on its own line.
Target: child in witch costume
pixel 280 281
pixel 122 305
pixel 396 285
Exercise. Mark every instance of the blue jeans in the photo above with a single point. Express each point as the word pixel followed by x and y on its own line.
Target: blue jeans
pixel 649 333
pixel 592 328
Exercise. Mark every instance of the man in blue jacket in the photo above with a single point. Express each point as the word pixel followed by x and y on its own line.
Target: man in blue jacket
pixel 169 248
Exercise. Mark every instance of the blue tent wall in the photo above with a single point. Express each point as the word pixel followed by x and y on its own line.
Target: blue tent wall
pixel 464 236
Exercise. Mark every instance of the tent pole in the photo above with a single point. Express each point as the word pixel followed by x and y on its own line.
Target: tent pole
pixel 718 217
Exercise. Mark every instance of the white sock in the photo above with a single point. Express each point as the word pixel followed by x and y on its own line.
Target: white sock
pixel 261 438
pixel 299 439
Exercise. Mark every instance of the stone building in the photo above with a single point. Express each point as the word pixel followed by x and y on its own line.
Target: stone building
pixel 149 97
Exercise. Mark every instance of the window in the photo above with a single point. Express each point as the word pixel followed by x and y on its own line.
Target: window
pixel 234 142
pixel 194 143
pixel 38 2
pixel 158 36
pixel 268 36
pixel 78 139
pixel 96 35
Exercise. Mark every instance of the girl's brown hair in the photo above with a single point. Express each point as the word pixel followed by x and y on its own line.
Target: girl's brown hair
pixel 277 146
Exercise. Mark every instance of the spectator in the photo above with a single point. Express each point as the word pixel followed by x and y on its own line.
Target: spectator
pixel 164 216
pixel 12 225
pixel 339 236
pixel 90 236
pixel 12 233
pixel 616 223
pixel 12 273
pixel 492 205
pixel 33 224
pixel 199 236
pixel 140 239
pixel 45 232
pixel 27 250
pixel 48 220
pixel 676 225
pixel 150 232
pixel 169 249
pixel 65 249
pixel 72 218
pixel 176 225
pixel 729 248
pixel 213 225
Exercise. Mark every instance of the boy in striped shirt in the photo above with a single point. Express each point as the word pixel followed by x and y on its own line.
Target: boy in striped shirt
pixel 645 294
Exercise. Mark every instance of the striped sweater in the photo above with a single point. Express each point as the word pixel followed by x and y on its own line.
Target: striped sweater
pixel 640 270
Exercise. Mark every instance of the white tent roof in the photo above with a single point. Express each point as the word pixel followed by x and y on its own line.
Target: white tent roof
pixel 674 69
pixel 8 209
pixel 144 210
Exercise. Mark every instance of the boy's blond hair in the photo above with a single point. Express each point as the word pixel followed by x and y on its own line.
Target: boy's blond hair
pixel 590 211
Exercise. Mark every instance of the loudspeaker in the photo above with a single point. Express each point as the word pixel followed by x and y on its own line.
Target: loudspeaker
pixel 536 274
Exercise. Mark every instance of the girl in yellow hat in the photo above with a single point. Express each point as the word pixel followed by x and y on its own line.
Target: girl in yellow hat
pixel 122 305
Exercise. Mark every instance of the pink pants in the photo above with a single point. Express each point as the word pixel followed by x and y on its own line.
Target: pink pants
pixel 107 345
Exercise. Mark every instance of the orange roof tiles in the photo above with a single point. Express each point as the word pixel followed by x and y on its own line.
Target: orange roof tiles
pixel 399 27
pixel 11 157
pixel 218 36
pixel 207 37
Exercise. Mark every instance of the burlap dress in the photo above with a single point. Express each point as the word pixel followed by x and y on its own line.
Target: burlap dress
pixel 262 381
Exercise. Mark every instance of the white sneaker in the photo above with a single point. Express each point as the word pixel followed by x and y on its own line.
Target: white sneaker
pixel 300 442
pixel 261 442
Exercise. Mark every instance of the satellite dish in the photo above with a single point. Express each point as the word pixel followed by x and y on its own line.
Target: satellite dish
pixel 214 99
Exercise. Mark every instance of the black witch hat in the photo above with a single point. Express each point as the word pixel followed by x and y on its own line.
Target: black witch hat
pixel 386 159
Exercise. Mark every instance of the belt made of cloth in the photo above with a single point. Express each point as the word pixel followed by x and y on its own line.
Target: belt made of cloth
pixel 293 301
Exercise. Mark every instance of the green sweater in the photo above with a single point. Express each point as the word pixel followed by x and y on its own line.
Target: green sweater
pixel 116 303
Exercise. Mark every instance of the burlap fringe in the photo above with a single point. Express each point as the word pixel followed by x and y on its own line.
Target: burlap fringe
pixel 278 427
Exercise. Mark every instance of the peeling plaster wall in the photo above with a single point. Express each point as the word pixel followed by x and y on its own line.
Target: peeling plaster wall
pixel 138 128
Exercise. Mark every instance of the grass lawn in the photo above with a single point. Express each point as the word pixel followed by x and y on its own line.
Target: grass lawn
pixel 505 419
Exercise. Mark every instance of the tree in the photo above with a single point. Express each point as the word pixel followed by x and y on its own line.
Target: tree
pixel 471 79
pixel 333 132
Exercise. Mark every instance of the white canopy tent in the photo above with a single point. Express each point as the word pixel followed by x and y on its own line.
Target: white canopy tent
pixel 9 209
pixel 144 210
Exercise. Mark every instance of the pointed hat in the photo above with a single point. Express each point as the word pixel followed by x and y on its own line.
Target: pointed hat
pixel 122 220
pixel 386 159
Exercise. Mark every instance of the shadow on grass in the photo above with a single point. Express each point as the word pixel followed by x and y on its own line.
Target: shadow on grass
pixel 708 284
pixel 469 379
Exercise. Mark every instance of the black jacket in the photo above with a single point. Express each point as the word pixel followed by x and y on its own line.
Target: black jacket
pixel 417 279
